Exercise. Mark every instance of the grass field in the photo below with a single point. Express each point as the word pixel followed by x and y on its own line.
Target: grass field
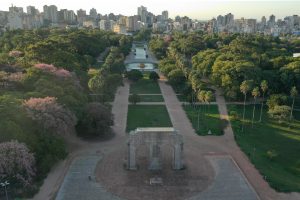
pixel 209 119
pixel 151 98
pixel 272 147
pixel 147 116
pixel 145 86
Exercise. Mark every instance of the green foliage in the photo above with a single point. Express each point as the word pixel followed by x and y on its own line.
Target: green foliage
pixel 134 75
pixel 153 76
pixel 96 120
pixel 176 77
pixel 134 99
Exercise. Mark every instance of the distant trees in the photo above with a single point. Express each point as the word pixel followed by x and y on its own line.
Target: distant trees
pixel 17 164
pixel 50 115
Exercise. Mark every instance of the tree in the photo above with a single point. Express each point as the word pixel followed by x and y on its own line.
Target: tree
pixel 255 94
pixel 96 121
pixel 134 75
pixel 208 97
pixel 134 98
pixel 153 76
pixel 264 88
pixel 245 88
pixel 51 115
pixel 294 93
pixel 17 164
pixel 176 77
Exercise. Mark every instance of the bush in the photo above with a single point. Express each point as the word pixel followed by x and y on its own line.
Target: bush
pixel 134 75
pixel 134 98
pixel 96 120
pixel 153 76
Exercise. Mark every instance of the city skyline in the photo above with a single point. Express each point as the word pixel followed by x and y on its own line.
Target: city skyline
pixel 203 10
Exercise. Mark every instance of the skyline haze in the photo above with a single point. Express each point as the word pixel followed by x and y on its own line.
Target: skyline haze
pixel 195 9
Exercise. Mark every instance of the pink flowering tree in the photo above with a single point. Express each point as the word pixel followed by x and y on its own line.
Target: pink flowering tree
pixel 51 115
pixel 61 73
pixel 17 164
pixel 45 67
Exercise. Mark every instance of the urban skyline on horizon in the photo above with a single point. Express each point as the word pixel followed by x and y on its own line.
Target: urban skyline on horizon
pixel 204 10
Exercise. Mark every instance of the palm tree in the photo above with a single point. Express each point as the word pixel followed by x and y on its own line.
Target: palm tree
pixel 264 88
pixel 245 88
pixel 208 97
pixel 294 93
pixel 255 94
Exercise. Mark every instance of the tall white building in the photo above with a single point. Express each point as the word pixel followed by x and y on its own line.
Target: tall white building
pixel 105 25
pixel 15 18
pixel 165 15
pixel 50 13
pixel 142 12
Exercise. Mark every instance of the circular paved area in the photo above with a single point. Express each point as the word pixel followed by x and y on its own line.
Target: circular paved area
pixel 135 185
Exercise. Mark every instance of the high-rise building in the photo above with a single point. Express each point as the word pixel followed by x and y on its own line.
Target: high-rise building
pixel 165 15
pixel 105 25
pixel 93 13
pixel 229 19
pixel 142 12
pixel 81 16
pixel 132 23
pixel 50 13
pixel 32 11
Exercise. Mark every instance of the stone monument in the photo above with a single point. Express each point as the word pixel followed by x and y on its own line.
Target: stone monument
pixel 154 138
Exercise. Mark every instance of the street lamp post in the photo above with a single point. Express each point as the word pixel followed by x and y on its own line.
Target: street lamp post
pixel 4 184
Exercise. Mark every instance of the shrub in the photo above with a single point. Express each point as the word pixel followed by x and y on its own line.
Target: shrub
pixel 134 75
pixel 153 76
pixel 96 120
pixel 134 98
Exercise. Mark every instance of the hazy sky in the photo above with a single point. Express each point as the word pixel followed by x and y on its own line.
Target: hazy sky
pixel 196 9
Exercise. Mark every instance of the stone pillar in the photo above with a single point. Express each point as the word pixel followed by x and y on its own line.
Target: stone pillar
pixel 177 157
pixel 131 156
pixel 155 162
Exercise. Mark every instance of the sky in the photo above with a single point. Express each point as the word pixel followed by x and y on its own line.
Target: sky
pixel 195 9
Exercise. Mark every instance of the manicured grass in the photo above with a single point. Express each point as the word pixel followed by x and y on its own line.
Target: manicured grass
pixel 147 116
pixel 145 86
pixel 283 171
pixel 151 98
pixel 209 119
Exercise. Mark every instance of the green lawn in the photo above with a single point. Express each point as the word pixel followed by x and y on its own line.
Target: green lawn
pixel 209 119
pixel 145 86
pixel 151 98
pixel 282 171
pixel 147 116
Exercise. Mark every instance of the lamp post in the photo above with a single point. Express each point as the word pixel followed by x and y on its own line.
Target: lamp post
pixel 4 184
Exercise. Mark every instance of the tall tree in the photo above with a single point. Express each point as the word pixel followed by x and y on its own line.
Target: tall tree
pixel 245 88
pixel 255 94
pixel 294 93
pixel 208 97
pixel 264 88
